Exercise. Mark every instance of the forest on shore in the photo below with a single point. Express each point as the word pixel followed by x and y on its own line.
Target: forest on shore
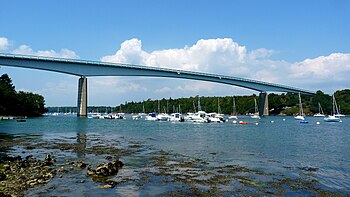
pixel 279 104
pixel 13 103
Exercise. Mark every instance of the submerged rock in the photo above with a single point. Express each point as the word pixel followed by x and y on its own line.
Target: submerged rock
pixel 2 176
pixel 19 175
pixel 81 164
pixel 105 169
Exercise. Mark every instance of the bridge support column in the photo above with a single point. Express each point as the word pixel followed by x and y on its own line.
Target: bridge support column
pixel 82 97
pixel 263 104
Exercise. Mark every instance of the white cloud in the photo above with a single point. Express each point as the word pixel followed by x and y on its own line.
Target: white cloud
pixel 27 50
pixel 224 56
pixel 334 67
pixel 212 55
pixel 4 43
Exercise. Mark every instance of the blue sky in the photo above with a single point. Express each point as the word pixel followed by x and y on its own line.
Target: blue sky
pixel 297 43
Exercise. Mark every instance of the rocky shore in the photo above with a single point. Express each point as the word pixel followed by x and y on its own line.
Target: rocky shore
pixel 18 174
pixel 69 166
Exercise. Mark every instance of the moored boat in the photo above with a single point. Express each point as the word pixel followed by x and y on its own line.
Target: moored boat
pixel 333 117
pixel 300 116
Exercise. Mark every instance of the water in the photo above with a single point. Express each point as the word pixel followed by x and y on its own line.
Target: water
pixel 278 148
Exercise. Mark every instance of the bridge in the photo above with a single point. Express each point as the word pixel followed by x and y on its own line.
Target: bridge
pixel 86 68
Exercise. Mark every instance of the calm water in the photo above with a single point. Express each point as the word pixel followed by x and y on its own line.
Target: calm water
pixel 274 145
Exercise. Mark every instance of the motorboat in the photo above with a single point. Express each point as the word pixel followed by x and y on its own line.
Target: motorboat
pixel 95 115
pixel 200 116
pixel 151 116
pixel 176 117
pixel 136 117
pixel 163 117
pixel 215 118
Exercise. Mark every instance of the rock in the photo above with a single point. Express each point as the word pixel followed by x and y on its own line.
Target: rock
pixel 107 186
pixel 68 162
pixel 48 157
pixel 29 147
pixel 81 164
pixel 29 157
pixel 110 184
pixel 2 176
pixel 102 171
pixel 109 158
pixel 106 169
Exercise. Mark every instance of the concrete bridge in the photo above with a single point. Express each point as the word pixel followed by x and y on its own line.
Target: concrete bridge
pixel 85 68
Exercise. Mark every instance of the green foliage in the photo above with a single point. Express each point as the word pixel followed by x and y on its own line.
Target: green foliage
pixel 279 104
pixel 21 103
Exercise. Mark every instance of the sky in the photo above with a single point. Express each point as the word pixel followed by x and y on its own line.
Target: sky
pixel 298 43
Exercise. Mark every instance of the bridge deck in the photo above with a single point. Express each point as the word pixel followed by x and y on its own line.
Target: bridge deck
pixel 89 68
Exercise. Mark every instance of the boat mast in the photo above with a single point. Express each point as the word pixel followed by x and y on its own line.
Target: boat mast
pixel 158 107
pixel 219 109
pixel 256 107
pixel 335 106
pixel 234 106
pixel 301 112
pixel 320 110
pixel 199 104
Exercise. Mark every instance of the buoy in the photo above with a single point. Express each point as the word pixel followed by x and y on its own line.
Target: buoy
pixel 317 122
pixel 242 122
pixel 257 123
pixel 272 121
pixel 234 122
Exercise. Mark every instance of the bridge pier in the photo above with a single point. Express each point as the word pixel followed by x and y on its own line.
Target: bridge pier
pixel 82 97
pixel 263 104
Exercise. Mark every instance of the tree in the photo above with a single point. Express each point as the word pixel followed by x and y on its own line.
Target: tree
pixel 21 103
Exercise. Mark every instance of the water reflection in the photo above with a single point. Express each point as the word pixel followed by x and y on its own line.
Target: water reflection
pixel 81 128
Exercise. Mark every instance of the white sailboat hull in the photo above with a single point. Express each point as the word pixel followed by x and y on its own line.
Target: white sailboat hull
pixel 299 118
pixel 331 119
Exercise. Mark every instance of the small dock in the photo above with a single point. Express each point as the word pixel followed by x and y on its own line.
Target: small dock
pixel 12 117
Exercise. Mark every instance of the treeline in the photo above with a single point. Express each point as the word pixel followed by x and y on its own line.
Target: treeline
pixel 13 103
pixel 279 104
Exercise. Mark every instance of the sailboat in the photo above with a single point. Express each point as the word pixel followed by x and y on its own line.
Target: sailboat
pixel 256 113
pixel 320 111
pixel 216 117
pixel 338 114
pixel 301 112
pixel 234 113
pixel 333 118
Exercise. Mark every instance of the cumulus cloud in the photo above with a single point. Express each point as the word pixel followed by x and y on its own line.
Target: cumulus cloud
pixel 27 50
pixel 225 56
pixel 4 43
pixel 334 67
pixel 220 55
